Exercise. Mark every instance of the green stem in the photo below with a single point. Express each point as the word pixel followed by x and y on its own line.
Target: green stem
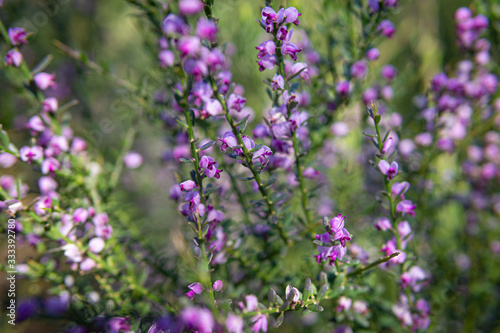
pixel 249 164
pixel 373 264
pixel 303 189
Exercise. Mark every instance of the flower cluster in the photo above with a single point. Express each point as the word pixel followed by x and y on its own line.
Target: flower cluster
pixel 336 236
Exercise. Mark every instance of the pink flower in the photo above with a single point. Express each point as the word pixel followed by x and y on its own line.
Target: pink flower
pixel 195 289
pixel 260 323
pixel 96 244
pixel 50 104
pixel 30 154
pixel 406 207
pixel 390 170
pixel 17 36
pixel 13 58
pixel 190 7
pixel 132 160
pixel 217 285
pixel 382 223
pixel 188 185
pixel 166 58
pixel 207 29
pixel 44 80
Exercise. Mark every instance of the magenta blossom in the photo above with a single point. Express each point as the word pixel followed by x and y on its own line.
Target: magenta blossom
pixel 194 288
pixel 188 185
pixel 44 80
pixel 390 170
pixel 17 36
pixel 210 167
pixel 30 154
pixel 278 82
pixel 386 28
pixel 13 58
pixel 406 207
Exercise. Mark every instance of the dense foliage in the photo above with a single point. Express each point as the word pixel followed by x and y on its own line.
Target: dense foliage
pixel 206 166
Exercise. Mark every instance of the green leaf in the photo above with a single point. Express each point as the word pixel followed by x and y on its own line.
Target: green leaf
pixel 207 145
pixel 280 318
pixel 257 147
pixel 307 289
pixel 245 178
pixel 185 160
pixel 322 291
pixel 272 179
pixel 271 297
pixel 180 122
pixel 285 306
pixel 315 308
pixel 4 138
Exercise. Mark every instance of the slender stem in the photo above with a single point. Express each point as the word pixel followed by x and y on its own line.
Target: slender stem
pixel 373 264
pixel 300 175
pixel 199 180
pixel 249 164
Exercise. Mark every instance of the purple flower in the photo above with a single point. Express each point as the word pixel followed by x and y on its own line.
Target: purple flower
pixel 386 28
pixel 390 170
pixel 292 294
pixel 190 7
pixel 382 223
pixel 132 160
pixel 266 48
pixel 96 244
pixel 406 207
pixel 413 278
pixel 207 29
pixel 80 215
pixel 267 62
pixel 234 324
pixel 7 160
pixel 261 154
pixel 344 304
pixel 297 119
pixel 370 95
pixel 399 189
pixel 44 80
pixel 189 46
pixel 194 288
pixel 50 104
pixel 343 88
pixel 188 185
pixel 291 15
pixel 372 54
pixel 289 48
pixel 217 286
pixel 282 33
pixel 359 69
pixel 13 58
pixel 423 139
pixel 260 323
pixel 228 141
pixel 387 145
pixel 72 252
pixel 17 36
pixel 388 72
pixel 213 107
pixel 210 166
pixel 166 58
pixel 278 82
pixel 30 154
pixel 118 324
pixel 173 25
pixel 390 3
pixel 337 229
pixel 236 102
pixel 462 14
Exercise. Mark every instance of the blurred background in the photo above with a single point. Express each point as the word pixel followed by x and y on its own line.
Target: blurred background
pixel 115 34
